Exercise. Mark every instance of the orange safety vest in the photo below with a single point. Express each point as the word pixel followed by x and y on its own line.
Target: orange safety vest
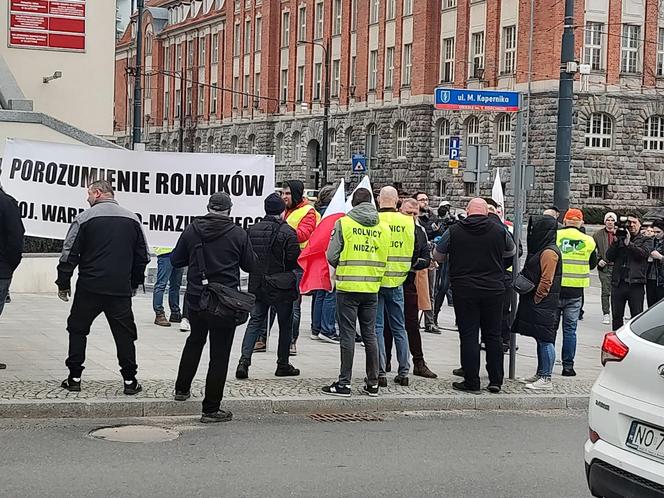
pixel 296 217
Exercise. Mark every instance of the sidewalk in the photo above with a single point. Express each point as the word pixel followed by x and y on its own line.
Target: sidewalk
pixel 33 343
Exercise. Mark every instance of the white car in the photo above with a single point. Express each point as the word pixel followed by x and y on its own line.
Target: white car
pixel 625 451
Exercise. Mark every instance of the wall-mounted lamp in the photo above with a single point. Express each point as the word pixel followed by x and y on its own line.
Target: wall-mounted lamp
pixel 56 75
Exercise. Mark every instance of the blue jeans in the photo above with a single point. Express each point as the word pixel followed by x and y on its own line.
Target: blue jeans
pixel 546 357
pixel 167 275
pixel 4 290
pixel 324 310
pixel 569 309
pixel 390 300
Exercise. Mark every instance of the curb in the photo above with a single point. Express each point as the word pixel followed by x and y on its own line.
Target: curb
pixel 295 405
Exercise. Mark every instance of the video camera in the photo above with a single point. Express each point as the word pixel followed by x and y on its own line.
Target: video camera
pixel 622 227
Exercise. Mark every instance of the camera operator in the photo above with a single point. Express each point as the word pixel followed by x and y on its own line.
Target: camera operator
pixel 629 254
pixel 445 220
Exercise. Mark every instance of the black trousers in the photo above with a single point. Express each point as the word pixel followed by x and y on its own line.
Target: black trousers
pixel 221 341
pixel 86 307
pixel 506 329
pixel 653 293
pixel 622 295
pixel 475 311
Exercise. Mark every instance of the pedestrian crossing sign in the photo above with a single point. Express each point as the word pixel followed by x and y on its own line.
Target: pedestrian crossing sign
pixel 359 164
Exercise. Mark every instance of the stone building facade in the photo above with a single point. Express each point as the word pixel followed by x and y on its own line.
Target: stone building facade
pixel 262 92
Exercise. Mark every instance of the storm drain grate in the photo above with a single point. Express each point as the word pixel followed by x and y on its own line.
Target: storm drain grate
pixel 344 417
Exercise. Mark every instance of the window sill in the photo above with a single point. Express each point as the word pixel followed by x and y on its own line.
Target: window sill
pixel 631 75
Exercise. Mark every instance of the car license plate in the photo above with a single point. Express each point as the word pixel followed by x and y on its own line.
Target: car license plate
pixel 646 439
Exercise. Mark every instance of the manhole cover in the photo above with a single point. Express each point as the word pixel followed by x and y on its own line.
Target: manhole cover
pixel 344 417
pixel 135 434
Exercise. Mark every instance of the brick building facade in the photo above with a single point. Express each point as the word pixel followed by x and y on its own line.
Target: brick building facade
pixel 251 85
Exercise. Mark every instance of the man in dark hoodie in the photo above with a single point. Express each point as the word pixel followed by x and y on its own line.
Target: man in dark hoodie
pixel 273 283
pixel 225 249
pixel 358 250
pixel 11 245
pixel 476 248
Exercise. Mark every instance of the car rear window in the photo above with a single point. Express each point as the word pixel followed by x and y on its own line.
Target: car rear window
pixel 650 325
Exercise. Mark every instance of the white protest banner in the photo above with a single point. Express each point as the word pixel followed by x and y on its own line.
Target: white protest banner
pixel 165 189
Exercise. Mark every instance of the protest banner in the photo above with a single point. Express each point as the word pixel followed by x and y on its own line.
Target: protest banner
pixel 166 190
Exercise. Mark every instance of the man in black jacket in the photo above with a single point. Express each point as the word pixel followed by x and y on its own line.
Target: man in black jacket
pixel 225 248
pixel 430 223
pixel 273 283
pixel 11 245
pixel 477 247
pixel 107 244
pixel 629 255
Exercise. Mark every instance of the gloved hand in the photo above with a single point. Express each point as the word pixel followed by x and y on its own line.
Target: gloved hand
pixel 437 239
pixel 64 294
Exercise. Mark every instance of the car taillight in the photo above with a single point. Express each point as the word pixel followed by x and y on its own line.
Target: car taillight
pixel 613 349
pixel 592 435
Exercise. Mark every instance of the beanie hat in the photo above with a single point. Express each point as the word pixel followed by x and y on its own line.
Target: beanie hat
pixel 274 205
pixel 220 201
pixel 610 214
pixel 574 215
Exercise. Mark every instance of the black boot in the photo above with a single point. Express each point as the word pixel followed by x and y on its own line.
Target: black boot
pixel 286 370
pixel 242 371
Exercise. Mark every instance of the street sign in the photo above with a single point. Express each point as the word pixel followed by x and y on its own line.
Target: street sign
pixel 455 99
pixel 478 158
pixel 359 164
pixel 455 146
pixel 471 176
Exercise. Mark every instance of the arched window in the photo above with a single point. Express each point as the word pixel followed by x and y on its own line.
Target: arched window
pixel 297 146
pixel 164 146
pixel 332 145
pixel 251 144
pixel 473 131
pixel 210 144
pixel 599 131
pixel 443 138
pixel 653 133
pixel 504 125
pixel 174 146
pixel 197 144
pixel 348 143
pixel 401 133
pixel 371 145
pixel 234 146
pixel 279 148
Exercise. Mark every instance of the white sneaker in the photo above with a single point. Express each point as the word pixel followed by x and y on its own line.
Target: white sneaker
pixel 606 320
pixel 315 337
pixel 185 326
pixel 541 384
pixel 529 380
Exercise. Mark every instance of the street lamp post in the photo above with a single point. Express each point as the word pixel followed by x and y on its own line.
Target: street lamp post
pixel 138 93
pixel 326 107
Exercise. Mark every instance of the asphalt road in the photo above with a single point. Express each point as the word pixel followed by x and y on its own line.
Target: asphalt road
pixel 453 454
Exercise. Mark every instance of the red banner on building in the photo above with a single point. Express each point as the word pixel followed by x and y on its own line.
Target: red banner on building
pixel 57 24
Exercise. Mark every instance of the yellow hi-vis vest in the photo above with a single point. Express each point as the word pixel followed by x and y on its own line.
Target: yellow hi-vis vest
pixel 400 257
pixel 576 249
pixel 296 216
pixel 159 251
pixel 363 259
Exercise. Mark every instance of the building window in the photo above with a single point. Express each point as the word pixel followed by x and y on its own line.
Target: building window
pixel 190 53
pixel 374 6
pixel 407 7
pixel 407 64
pixel 477 55
pixel 201 100
pixel 251 144
pixel 389 67
pixel 448 61
pixel 178 57
pixel 258 35
pixel 215 48
pixel 597 191
pixel 300 83
pixel 353 15
pixel 332 145
pixel 201 51
pixel 167 58
pixel 236 40
pixel 653 135
pixel 656 193
pixel 504 134
pixel 247 37
pixel 441 188
pixel 599 131
pixel 353 71
pixel 391 10
pixel 178 103
pixel 336 74
pixel 473 131
pixel 213 98
pixel 318 78
pixel 234 146
pixel 246 88
pixel 592 52
pixel 660 52
pixel 348 143
pixel 371 145
pixel 284 85
pixel 631 40
pixel 319 21
pixel 297 146
pixel 279 148
pixel 443 132
pixel 236 91
pixel 190 101
pixel 401 132
pixel 509 49
pixel 469 189
pixel 302 23
pixel 336 13
pixel 148 44
pixel 448 4
pixel 167 104
pixel 373 69
pixel 257 86
pixel 285 29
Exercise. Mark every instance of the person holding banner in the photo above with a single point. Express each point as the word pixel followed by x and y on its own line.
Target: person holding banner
pixel 11 245
pixel 108 245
